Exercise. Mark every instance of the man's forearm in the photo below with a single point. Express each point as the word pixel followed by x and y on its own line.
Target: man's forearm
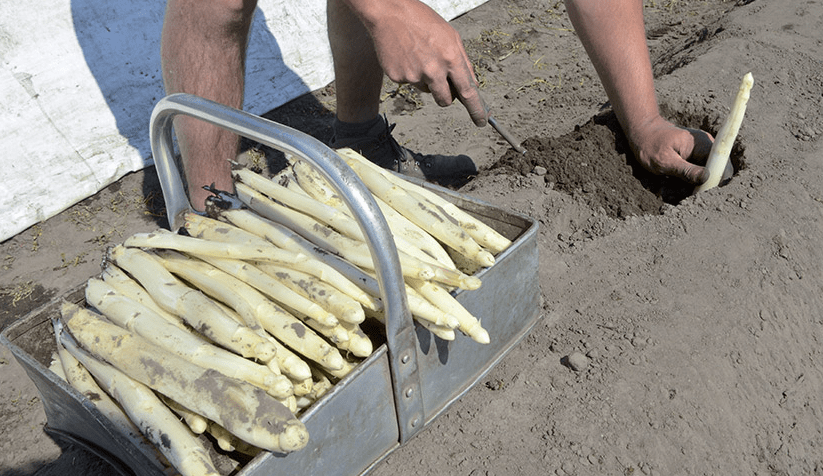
pixel 613 33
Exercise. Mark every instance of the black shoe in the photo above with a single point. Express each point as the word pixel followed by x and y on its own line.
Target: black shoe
pixel 379 147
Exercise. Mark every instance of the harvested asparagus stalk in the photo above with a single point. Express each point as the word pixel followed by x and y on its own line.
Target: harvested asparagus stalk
pixel 174 439
pixel 78 376
pixel 327 296
pixel 424 310
pixel 321 235
pixel 468 324
pixel 291 363
pixel 322 384
pixel 337 218
pixel 244 299
pixel 194 307
pixel 319 189
pixel 336 334
pixel 443 332
pixel 485 235
pixel 315 185
pixel 242 223
pixel 125 285
pixel 358 342
pixel 441 226
pixel 164 239
pixel 196 423
pixel 224 439
pixel 354 251
pixel 275 289
pixel 245 410
pixel 228 442
pixel 143 321
pixel 347 367
pixel 303 387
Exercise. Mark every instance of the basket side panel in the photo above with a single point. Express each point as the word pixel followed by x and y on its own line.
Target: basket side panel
pixel 353 426
pixel 507 305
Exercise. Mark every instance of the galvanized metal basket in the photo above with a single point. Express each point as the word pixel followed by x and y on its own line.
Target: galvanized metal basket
pixel 392 395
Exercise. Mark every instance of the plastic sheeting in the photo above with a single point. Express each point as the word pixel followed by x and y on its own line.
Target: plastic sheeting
pixel 79 80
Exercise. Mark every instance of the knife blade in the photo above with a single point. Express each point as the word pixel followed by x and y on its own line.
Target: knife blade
pixel 507 135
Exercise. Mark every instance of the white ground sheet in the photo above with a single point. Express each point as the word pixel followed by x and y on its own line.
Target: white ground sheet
pixel 79 80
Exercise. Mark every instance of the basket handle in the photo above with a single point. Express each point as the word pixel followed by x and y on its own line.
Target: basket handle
pixel 401 338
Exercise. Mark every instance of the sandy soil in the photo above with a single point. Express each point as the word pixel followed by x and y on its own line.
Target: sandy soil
pixel 700 317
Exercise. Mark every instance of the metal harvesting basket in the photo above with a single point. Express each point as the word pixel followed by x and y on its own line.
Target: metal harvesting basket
pixel 392 395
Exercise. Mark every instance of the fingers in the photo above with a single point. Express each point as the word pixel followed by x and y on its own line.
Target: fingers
pixel 469 96
pixel 691 173
pixel 460 84
pixel 477 110
pixel 695 153
pixel 427 51
pixel 674 151
pixel 468 93
pixel 703 142
pixel 441 91
pixel 672 164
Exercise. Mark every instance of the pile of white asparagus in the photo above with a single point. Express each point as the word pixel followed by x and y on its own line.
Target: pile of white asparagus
pixel 239 322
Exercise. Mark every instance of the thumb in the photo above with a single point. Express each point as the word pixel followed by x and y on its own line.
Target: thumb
pixel 692 173
pixel 694 147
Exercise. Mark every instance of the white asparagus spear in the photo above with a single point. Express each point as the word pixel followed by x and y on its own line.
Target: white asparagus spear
pixel 314 184
pixel 339 219
pixel 482 233
pixel 441 298
pixel 243 409
pixel 400 226
pixel 440 226
pixel 239 294
pixel 143 321
pixel 245 300
pixel 196 423
pixel 164 239
pixel 285 361
pixel 79 377
pixel 119 280
pixel 192 305
pixel 182 449
pixel 246 226
pixel 283 237
pixel 321 235
pixel 228 442
pixel 325 295
pixel 443 332
pixel 352 250
pixel 722 147
pixel 358 343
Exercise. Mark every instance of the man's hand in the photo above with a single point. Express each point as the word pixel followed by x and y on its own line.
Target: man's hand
pixel 665 149
pixel 416 45
pixel 613 33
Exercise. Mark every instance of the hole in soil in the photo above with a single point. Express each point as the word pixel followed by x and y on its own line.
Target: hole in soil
pixel 594 162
